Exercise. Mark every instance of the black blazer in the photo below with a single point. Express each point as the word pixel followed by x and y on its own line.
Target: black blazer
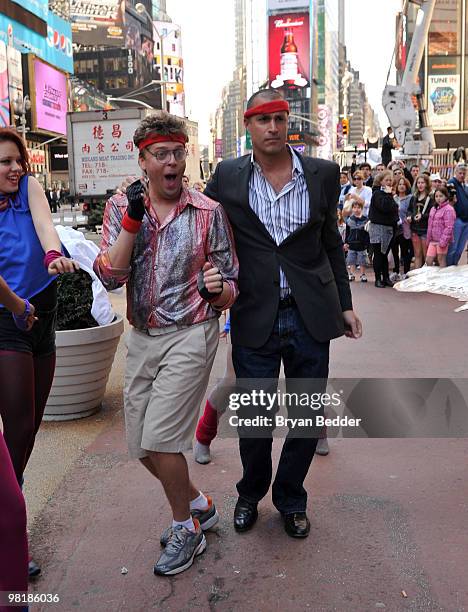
pixel 311 257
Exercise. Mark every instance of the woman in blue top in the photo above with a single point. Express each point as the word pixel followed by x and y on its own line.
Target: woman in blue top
pixel 30 259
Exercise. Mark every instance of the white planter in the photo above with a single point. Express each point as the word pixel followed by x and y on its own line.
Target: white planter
pixel 84 361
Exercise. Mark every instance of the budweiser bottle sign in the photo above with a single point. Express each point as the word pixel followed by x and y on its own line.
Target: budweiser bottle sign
pixel 289 70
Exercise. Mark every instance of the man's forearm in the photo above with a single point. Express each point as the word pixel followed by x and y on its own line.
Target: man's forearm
pixel 120 253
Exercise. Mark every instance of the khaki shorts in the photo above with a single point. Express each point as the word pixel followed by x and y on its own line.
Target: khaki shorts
pixel 165 381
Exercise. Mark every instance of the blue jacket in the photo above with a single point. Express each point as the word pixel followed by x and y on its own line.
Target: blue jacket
pixel 461 207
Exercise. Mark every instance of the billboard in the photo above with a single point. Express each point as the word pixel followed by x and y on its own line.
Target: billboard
pixel 55 49
pixel 289 50
pixel 325 125
pixel 58 158
pixel 443 93
pixel 173 65
pixel 15 75
pixel 98 22
pixel 48 98
pixel 4 94
pixel 40 8
pixel 288 5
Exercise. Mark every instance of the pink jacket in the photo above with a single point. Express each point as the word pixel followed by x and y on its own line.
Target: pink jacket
pixel 441 222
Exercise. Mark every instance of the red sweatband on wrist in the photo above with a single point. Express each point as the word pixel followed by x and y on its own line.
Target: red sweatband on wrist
pixel 149 140
pixel 131 225
pixel 274 106
pixel 51 256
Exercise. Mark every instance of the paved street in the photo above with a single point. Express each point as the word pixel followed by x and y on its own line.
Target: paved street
pixel 388 516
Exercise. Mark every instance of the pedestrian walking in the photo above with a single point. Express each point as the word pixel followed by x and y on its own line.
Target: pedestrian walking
pixel 215 406
pixel 440 228
pixel 30 260
pixel 174 250
pixel 294 294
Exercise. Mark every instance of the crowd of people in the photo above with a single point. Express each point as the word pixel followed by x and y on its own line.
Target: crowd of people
pixel 185 257
pixel 414 215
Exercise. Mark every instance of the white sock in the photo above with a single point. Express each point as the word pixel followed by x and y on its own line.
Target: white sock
pixel 199 503
pixel 188 524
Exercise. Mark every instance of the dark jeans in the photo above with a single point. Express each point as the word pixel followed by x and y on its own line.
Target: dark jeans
pixel 402 245
pixel 303 357
pixel 380 262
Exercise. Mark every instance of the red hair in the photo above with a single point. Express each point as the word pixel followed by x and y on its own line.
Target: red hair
pixel 9 135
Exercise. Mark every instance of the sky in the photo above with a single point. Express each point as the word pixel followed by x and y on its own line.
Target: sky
pixel 208 50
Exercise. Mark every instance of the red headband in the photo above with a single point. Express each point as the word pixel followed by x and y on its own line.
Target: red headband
pixel 269 107
pixel 149 140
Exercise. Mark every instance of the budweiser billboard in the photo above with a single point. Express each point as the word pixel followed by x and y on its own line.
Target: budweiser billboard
pixel 289 50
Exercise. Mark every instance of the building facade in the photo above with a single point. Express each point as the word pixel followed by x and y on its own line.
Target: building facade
pixel 444 72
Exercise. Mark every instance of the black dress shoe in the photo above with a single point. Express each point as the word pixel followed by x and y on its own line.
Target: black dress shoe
pixel 388 282
pixel 296 525
pixel 379 284
pixel 33 569
pixel 245 515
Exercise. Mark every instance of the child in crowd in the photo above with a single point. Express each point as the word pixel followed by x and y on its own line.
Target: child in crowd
pixel 440 228
pixel 341 224
pixel 356 242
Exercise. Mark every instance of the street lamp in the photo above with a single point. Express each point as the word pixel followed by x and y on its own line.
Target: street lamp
pixel 141 8
pixel 21 106
pixel 109 99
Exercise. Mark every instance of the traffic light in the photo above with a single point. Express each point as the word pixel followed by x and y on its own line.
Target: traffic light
pixel 345 126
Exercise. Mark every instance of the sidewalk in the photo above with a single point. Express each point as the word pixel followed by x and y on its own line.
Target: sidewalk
pixel 388 516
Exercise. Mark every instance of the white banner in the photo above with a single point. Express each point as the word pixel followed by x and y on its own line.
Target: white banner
pixel 103 154
pixel 443 92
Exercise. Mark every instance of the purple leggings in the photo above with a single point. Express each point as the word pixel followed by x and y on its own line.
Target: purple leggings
pixel 25 382
pixel 13 541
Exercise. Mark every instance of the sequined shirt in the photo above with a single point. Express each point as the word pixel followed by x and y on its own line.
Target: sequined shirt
pixel 161 282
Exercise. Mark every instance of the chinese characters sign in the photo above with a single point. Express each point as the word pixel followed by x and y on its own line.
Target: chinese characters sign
pixel 103 154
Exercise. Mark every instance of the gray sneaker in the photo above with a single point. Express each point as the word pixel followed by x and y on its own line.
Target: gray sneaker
pixel 207 519
pixel 201 452
pixel 322 447
pixel 181 549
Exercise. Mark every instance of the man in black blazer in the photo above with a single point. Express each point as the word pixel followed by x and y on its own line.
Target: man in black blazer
pixel 294 294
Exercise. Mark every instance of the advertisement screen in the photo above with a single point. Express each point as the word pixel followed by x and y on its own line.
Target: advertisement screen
pixel 289 50
pixel 40 8
pixel 98 22
pixel 173 65
pixel 50 99
pixel 443 92
pixel 15 75
pixel 4 95
pixel 56 48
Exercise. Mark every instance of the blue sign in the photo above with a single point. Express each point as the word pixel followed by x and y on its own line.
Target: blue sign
pixel 37 7
pixel 56 48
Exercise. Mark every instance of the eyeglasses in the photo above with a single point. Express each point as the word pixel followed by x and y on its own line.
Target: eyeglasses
pixel 163 156
pixel 358 178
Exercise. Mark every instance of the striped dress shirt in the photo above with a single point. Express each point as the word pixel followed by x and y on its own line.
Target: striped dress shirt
pixel 281 213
